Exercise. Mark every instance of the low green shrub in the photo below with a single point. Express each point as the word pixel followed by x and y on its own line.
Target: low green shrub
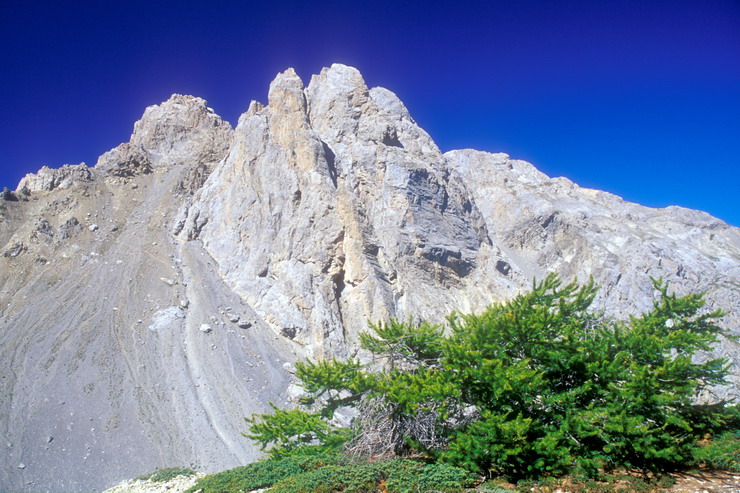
pixel 353 478
pixel 489 487
pixel 262 474
pixel 328 473
pixel 162 475
pixel 396 475
pixel 720 453
pixel 412 476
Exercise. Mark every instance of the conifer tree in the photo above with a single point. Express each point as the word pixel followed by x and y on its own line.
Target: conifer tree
pixel 538 385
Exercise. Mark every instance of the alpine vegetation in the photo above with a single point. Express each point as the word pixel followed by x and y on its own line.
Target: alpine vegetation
pixel 536 386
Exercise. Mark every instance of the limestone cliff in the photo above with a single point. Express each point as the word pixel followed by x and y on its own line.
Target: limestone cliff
pixel 151 301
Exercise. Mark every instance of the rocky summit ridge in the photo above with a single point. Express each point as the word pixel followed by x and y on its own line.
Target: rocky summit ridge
pixel 149 302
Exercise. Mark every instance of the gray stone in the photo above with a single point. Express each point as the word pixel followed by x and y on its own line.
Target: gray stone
pixel 166 319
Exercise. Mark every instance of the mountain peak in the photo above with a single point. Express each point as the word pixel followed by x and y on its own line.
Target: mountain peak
pixel 150 302
pixel 342 77
pixel 180 130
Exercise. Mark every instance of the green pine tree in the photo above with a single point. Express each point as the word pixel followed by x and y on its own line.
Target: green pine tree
pixel 539 385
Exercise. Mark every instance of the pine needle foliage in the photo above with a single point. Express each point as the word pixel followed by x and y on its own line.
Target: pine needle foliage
pixel 540 385
pixel 289 430
pixel 332 473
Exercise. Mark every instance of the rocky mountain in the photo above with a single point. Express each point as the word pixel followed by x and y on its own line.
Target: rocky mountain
pixel 149 302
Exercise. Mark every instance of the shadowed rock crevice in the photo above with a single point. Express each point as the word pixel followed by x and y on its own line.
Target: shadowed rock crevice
pixel 331 163
pixel 390 138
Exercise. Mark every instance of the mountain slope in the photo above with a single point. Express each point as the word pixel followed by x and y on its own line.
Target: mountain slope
pixel 149 302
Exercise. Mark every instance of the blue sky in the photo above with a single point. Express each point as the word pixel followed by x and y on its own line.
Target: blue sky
pixel 639 98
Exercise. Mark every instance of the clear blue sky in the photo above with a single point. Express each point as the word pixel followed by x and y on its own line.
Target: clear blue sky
pixel 639 98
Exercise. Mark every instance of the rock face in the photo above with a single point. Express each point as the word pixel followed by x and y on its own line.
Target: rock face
pixel 349 226
pixel 219 256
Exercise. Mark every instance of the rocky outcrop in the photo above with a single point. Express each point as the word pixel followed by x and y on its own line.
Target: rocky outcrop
pixel 150 302
pixel 338 225
pixel 182 130
pixel 47 179
pixel 554 225
pixel 124 161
